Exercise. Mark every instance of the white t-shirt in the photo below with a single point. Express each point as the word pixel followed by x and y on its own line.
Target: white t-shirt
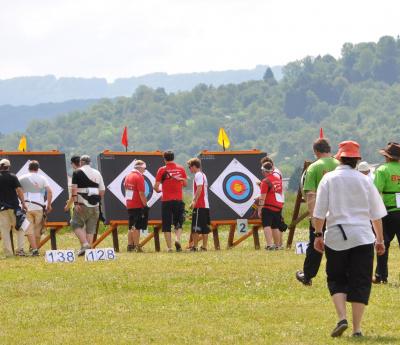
pixel 347 197
pixel 200 179
pixel 34 186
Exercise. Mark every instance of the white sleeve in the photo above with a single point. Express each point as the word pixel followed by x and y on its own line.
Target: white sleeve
pixel 377 209
pixel 101 182
pixel 322 201
pixel 45 182
pixel 199 179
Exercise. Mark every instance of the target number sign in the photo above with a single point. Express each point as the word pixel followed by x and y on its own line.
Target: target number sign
pixel 63 256
pixel 242 226
pixel 301 247
pixel 100 254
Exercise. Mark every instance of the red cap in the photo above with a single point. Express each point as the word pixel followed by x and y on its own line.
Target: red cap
pixel 349 149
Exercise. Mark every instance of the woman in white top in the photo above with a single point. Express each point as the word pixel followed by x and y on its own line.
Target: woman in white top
pixel 349 202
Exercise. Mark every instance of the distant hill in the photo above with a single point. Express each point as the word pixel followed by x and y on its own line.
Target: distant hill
pixel 36 90
pixel 16 118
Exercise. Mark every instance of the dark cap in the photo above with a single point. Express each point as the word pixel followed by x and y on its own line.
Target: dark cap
pixel 392 151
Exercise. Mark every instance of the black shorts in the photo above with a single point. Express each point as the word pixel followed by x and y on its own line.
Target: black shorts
pixel 201 220
pixel 172 213
pixel 271 218
pixel 138 218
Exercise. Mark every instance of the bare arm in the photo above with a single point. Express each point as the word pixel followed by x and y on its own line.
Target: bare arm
pixel 143 198
pixel 157 187
pixel 196 196
pixel 310 201
pixel 49 199
pixel 20 194
pixel 261 202
pixel 379 245
pixel 319 241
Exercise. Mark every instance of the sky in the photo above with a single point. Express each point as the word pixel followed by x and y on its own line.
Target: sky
pixel 123 38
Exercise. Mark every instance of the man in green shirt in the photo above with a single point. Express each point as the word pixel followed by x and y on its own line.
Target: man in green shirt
pixel 387 181
pixel 325 163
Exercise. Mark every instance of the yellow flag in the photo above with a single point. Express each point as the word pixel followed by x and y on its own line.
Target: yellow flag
pixel 223 139
pixel 22 144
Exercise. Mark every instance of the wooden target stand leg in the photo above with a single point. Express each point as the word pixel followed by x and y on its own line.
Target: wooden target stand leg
pixel 296 217
pixel 215 234
pixel 52 237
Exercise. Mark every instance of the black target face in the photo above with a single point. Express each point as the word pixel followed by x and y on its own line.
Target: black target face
pixel 148 188
pixel 237 187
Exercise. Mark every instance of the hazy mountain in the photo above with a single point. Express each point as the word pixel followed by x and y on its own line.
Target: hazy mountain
pixel 16 118
pixel 36 90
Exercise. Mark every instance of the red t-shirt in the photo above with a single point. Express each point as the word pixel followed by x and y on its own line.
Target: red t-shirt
pixel 134 182
pixel 274 199
pixel 171 188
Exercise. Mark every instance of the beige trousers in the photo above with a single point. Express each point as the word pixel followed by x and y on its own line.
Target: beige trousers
pixel 7 222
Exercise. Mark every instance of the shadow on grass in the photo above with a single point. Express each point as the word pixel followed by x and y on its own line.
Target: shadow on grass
pixel 377 339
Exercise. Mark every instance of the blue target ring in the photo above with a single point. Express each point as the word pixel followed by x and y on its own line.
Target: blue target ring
pixel 148 187
pixel 237 187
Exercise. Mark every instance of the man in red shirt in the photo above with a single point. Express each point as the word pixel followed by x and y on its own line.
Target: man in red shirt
pixel 173 178
pixel 270 206
pixel 200 205
pixel 136 204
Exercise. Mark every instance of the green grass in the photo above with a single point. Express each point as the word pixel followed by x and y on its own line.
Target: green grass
pixel 238 296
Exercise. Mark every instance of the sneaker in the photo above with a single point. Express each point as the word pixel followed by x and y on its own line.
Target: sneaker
pixel 270 247
pixel 192 249
pixel 20 252
pixel 279 248
pixel 202 249
pixel 170 250
pixel 379 280
pixel 357 334
pixel 35 252
pixel 340 328
pixel 178 246
pixel 130 248
pixel 302 279
pixel 81 252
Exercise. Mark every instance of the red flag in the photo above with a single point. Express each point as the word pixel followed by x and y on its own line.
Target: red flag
pixel 321 133
pixel 124 139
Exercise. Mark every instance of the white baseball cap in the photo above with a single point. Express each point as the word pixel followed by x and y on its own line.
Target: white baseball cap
pixel 5 162
pixel 363 166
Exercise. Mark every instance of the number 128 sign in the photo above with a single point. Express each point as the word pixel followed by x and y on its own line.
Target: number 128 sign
pixel 100 254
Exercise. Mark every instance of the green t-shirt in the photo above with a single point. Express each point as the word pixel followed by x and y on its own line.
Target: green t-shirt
pixel 387 180
pixel 317 170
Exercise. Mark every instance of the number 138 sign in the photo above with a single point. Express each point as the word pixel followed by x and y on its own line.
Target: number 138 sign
pixel 67 256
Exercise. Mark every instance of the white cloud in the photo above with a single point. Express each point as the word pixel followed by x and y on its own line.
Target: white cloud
pixel 112 38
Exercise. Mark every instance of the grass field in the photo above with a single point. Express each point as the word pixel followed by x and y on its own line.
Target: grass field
pixel 238 296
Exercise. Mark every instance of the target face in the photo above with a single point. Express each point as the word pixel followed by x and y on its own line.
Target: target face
pixel 117 186
pixel 237 187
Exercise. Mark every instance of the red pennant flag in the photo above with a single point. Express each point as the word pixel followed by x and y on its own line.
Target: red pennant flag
pixel 124 139
pixel 321 133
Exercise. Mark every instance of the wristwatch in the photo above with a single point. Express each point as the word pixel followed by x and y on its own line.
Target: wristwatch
pixel 318 234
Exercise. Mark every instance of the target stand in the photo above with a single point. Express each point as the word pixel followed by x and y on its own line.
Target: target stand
pixel 53 168
pixel 233 179
pixel 297 217
pixel 114 167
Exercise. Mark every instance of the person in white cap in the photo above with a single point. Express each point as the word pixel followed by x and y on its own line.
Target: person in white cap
pixel 365 169
pixel 10 195
pixel 136 204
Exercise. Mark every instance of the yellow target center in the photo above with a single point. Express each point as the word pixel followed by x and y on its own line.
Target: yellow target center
pixel 238 187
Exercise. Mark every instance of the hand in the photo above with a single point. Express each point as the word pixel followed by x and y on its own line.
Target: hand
pixel 319 244
pixel 66 208
pixel 192 204
pixel 24 207
pixel 78 208
pixel 49 209
pixel 380 248
pixel 259 211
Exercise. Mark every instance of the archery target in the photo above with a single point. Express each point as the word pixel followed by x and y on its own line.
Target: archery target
pixel 117 186
pixel 237 187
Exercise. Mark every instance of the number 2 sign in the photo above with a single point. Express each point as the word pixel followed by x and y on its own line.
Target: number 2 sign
pixel 242 226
